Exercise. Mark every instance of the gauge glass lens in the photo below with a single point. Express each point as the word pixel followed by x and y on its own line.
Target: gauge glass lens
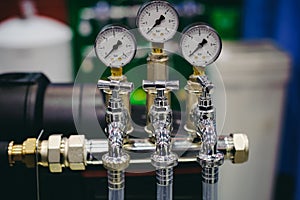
pixel 157 21
pixel 200 45
pixel 115 46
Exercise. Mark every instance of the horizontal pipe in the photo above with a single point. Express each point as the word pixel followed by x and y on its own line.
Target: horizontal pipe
pixel 187 150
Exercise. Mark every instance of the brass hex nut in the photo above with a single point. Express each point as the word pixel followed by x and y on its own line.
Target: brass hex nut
pixel 54 143
pixel 28 151
pixel 241 146
pixel 76 152
pixel 29 146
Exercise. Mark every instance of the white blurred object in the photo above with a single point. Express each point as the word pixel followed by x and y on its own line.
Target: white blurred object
pixel 36 44
pixel 255 75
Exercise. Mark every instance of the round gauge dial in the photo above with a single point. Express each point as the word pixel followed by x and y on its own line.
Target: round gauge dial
pixel 115 46
pixel 200 45
pixel 157 21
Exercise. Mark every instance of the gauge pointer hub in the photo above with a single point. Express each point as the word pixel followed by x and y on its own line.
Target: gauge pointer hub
pixel 115 47
pixel 200 45
pixel 157 22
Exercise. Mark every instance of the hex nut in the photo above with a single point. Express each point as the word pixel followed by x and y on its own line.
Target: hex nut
pixel 76 152
pixel 54 143
pixel 28 151
pixel 29 146
pixel 241 146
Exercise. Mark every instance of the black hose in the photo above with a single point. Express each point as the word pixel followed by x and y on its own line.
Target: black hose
pixel 30 103
pixel 3 154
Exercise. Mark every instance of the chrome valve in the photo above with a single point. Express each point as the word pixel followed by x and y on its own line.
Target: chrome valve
pixel 116 111
pixel 203 116
pixel 117 119
pixel 160 115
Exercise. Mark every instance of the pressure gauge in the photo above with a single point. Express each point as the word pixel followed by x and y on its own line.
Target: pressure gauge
pixel 200 45
pixel 157 21
pixel 115 46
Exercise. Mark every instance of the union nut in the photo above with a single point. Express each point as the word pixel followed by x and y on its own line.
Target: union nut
pixel 241 147
pixel 76 152
pixel 63 152
pixel 54 149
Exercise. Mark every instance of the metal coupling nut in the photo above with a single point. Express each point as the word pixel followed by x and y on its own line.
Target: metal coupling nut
pixel 54 143
pixel 210 161
pixel 116 163
pixel 76 152
pixel 162 162
pixel 241 147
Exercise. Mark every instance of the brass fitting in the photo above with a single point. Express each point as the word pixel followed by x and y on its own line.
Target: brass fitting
pixel 59 152
pixel 157 50
pixel 76 152
pixel 197 71
pixel 24 153
pixel 241 147
pixel 54 144
pixel 116 72
pixel 234 147
pixel 55 153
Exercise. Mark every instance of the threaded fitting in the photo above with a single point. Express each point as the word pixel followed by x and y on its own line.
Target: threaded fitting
pixel 116 179
pixel 164 177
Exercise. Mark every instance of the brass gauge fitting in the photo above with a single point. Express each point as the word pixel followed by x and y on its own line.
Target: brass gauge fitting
pixel 24 153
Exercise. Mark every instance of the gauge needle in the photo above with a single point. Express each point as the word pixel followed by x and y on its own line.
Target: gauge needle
pixel 115 47
pixel 157 22
pixel 200 45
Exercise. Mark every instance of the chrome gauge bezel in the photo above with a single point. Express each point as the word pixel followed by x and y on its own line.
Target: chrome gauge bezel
pixel 202 61
pixel 112 31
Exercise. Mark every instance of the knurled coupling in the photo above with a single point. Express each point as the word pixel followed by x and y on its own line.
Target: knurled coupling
pixel 210 166
pixel 116 163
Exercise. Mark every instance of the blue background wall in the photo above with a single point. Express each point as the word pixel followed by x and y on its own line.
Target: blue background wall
pixel 280 20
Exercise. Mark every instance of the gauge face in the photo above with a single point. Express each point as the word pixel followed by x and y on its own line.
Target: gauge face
pixel 157 21
pixel 200 45
pixel 115 46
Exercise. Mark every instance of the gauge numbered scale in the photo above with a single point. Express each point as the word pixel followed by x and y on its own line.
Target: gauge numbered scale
pixel 157 21
pixel 200 45
pixel 115 46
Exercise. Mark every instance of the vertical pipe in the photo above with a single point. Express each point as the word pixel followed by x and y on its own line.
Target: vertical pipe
pixel 210 191
pixel 116 184
pixel 210 183
pixel 164 184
